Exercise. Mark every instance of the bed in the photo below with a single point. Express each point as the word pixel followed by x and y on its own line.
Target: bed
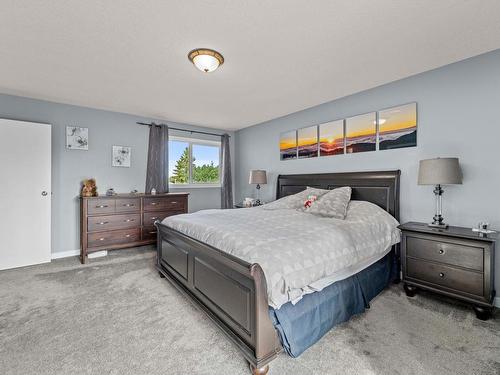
pixel 235 293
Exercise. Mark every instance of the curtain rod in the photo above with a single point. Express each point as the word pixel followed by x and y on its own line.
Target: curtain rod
pixel 182 130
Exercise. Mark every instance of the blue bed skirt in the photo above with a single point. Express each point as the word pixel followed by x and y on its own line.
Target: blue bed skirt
pixel 301 325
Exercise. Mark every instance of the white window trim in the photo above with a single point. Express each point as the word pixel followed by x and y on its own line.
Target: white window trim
pixel 190 142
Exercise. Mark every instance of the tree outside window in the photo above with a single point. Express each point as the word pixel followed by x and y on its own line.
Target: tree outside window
pixel 204 159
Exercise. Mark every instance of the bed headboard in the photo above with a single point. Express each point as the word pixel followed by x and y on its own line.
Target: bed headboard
pixel 381 188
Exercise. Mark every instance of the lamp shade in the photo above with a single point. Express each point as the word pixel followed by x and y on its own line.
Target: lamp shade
pixel 439 171
pixel 258 176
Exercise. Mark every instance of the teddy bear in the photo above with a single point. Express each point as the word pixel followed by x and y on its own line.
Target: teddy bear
pixel 309 201
pixel 89 188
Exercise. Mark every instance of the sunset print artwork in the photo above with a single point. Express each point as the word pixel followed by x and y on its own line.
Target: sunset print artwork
pixel 361 133
pixel 331 138
pixel 398 127
pixel 288 145
pixel 307 142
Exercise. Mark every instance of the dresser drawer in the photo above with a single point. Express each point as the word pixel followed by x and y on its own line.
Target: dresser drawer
pixel 128 205
pixel 103 223
pixel 149 218
pixel 175 203
pixel 101 206
pixel 450 277
pixel 438 250
pixel 149 233
pixel 113 237
pixel 151 204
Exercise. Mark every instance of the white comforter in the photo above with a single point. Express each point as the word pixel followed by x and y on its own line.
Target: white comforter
pixel 299 252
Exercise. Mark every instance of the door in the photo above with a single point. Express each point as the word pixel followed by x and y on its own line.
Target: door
pixel 25 169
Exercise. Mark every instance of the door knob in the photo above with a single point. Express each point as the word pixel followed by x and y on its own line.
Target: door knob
pixel 44 193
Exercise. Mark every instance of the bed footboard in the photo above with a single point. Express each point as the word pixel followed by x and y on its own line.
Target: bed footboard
pixel 229 290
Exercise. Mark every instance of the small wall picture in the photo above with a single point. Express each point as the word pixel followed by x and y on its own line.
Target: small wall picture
pixel 361 133
pixel 331 138
pixel 77 138
pixel 398 127
pixel 307 142
pixel 288 145
pixel 121 156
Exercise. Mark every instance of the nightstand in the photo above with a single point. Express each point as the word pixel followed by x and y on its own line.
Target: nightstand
pixel 455 262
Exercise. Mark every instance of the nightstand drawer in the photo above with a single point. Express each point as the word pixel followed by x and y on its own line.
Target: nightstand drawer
pixel 450 277
pixel 438 250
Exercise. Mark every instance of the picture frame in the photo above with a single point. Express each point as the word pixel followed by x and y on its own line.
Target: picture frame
pixel 332 138
pixel 288 145
pixel 361 133
pixel 307 142
pixel 397 127
pixel 77 138
pixel 121 156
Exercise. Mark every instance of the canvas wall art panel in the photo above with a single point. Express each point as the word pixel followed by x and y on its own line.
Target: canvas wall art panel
pixel 288 145
pixel 331 138
pixel 361 133
pixel 307 142
pixel 398 127
pixel 77 138
pixel 121 156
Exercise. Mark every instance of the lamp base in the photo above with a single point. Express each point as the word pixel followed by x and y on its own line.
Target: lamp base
pixel 438 225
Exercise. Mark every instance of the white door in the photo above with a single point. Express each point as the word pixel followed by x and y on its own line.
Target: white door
pixel 25 197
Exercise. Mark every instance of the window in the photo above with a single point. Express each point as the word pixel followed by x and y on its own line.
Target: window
pixel 193 162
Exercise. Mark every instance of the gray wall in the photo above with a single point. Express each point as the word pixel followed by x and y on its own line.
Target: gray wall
pixel 70 167
pixel 458 115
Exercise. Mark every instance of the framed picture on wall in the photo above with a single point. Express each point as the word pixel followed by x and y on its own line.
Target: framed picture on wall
pixel 361 133
pixel 397 127
pixel 77 138
pixel 331 138
pixel 121 156
pixel 307 142
pixel 288 145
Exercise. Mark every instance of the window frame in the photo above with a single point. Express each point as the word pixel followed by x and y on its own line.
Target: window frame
pixel 191 142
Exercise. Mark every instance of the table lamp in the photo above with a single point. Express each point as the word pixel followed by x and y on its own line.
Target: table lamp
pixel 439 171
pixel 258 177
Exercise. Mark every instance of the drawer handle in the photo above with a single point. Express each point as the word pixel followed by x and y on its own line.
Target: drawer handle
pixel 103 222
pixel 441 251
pixel 154 232
pixel 153 203
pixel 102 206
pixel 129 205
pixel 101 239
pixel 154 218
pixel 127 236
pixel 129 220
pixel 441 274
pixel 174 202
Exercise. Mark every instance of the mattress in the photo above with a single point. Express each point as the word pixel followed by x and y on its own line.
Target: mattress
pixel 299 252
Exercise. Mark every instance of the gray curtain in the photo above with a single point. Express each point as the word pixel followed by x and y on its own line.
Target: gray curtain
pixel 226 181
pixel 157 170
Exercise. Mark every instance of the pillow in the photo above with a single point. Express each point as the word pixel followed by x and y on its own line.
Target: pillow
pixel 294 201
pixel 332 204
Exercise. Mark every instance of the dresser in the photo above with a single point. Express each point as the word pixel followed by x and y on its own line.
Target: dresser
pixel 124 220
pixel 455 262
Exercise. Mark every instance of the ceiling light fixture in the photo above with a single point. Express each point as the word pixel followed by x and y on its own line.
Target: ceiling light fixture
pixel 205 59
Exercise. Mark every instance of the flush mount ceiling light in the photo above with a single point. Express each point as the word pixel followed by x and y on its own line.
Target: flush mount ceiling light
pixel 205 59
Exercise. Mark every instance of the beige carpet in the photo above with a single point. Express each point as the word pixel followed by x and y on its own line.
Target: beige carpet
pixel 116 316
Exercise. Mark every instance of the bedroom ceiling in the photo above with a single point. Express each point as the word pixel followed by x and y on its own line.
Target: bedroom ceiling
pixel 281 56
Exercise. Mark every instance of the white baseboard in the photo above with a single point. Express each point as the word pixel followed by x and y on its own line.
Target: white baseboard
pixel 98 254
pixel 496 302
pixel 65 254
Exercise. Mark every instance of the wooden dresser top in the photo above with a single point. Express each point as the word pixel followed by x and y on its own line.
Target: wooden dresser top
pixel 139 195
